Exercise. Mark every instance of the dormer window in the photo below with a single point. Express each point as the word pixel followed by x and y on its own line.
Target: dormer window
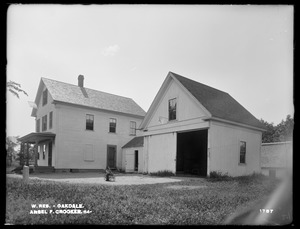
pixel 45 97
pixel 172 109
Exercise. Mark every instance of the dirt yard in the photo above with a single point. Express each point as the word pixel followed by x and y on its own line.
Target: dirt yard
pixel 96 178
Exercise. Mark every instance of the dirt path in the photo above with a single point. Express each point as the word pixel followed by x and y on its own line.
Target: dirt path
pixel 120 180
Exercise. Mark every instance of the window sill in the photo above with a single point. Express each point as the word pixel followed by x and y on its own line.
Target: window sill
pixel 89 130
pixel 242 164
pixel 112 132
pixel 174 120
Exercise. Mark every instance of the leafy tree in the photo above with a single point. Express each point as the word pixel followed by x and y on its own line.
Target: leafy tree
pixel 15 88
pixel 10 149
pixel 279 133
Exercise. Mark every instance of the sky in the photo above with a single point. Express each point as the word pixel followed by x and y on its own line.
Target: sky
pixel 128 50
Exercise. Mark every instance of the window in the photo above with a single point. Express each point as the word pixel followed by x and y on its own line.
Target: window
pixel 242 152
pixel 45 97
pixel 132 128
pixel 89 122
pixel 50 119
pixel 44 123
pixel 37 126
pixel 172 109
pixel 112 125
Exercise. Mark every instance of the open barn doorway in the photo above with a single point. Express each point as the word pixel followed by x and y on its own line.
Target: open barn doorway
pixel 191 155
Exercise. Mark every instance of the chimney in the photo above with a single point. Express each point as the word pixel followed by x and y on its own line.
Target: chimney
pixel 80 80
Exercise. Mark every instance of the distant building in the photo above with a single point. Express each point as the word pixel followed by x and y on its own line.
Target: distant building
pixel 276 158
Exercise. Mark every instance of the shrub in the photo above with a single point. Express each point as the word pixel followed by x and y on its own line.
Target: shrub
pixel 218 176
pixel 163 173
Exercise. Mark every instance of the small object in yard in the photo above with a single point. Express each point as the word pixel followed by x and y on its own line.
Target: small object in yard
pixel 109 176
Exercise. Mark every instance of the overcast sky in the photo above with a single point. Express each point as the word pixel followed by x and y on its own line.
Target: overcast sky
pixel 128 50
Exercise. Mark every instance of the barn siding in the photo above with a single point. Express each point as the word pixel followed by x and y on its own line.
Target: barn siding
pixel 224 149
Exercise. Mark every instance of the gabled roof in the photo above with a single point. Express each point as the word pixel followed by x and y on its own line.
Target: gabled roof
pixel 73 94
pixel 218 104
pixel 135 142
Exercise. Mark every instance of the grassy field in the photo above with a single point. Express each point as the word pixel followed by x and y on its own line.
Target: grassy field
pixel 190 202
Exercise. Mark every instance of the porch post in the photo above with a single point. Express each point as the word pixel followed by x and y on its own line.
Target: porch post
pixel 27 153
pixel 35 154
pixel 22 153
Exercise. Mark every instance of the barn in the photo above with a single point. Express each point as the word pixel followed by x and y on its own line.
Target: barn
pixel 193 128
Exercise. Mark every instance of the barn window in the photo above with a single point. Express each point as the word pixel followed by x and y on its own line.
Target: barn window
pixel 172 109
pixel 242 152
pixel 44 123
pixel 45 97
pixel 112 125
pixel 89 122
pixel 132 128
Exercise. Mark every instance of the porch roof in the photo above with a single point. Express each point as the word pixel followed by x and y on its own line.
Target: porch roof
pixel 37 137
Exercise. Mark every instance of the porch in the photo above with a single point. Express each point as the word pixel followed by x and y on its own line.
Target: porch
pixel 41 151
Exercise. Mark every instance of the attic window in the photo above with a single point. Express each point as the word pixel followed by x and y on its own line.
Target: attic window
pixel 45 97
pixel 172 109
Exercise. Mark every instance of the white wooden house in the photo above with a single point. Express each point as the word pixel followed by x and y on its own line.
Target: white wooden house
pixel 78 128
pixel 194 128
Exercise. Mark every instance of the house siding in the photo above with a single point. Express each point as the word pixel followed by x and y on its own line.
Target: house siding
pixel 72 137
pixel 224 149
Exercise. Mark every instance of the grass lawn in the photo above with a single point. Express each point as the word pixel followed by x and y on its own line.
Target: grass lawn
pixel 192 201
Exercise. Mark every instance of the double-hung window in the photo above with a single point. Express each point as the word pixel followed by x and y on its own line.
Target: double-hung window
pixel 37 126
pixel 112 125
pixel 50 119
pixel 132 128
pixel 89 122
pixel 45 97
pixel 172 109
pixel 242 152
pixel 44 123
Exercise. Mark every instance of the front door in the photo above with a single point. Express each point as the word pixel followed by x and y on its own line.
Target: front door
pixel 111 156
pixel 50 154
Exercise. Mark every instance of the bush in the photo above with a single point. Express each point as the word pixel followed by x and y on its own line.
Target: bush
pixel 218 176
pixel 163 173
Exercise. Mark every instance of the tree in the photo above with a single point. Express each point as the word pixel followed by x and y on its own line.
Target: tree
pixel 268 136
pixel 10 150
pixel 15 88
pixel 279 133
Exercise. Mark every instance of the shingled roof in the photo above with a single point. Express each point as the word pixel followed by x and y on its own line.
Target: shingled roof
pixel 220 104
pixel 73 94
pixel 135 142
